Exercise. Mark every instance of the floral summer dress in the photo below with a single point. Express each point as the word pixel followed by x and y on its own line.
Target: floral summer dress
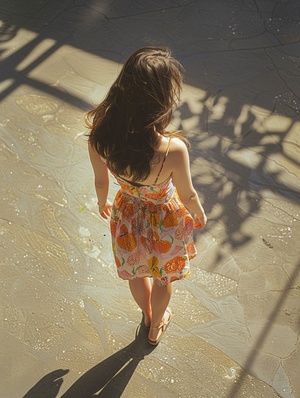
pixel 152 232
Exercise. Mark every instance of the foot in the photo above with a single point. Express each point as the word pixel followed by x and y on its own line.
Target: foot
pixel 156 333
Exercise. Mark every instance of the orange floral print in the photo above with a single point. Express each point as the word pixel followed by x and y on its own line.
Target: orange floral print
pixel 162 245
pixel 152 195
pixel 128 210
pixel 151 233
pixel 126 240
pixel 170 221
pixel 146 244
pixel 153 265
pixel 154 219
pixel 113 228
pixel 176 264
pixel 181 211
pixel 118 199
pixel 189 224
pixel 118 262
pixel 190 248
pixel 154 243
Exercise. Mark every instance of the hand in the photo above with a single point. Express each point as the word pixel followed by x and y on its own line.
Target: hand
pixel 200 221
pixel 105 211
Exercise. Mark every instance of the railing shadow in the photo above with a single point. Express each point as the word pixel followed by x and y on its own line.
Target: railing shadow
pixel 109 378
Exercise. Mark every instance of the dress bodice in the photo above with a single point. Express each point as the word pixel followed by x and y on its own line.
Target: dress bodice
pixel 155 193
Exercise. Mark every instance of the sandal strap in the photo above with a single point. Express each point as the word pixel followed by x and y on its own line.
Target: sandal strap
pixel 158 327
pixel 164 322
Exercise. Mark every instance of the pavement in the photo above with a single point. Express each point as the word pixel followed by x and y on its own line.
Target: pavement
pixel 68 325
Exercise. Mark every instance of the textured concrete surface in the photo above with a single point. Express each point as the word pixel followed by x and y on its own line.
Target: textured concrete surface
pixel 235 330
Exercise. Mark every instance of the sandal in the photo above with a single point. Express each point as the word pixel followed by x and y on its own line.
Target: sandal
pixel 161 328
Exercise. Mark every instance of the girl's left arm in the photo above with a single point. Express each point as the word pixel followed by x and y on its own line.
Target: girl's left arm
pixel 101 182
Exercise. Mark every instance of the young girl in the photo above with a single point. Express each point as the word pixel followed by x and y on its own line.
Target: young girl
pixel 151 228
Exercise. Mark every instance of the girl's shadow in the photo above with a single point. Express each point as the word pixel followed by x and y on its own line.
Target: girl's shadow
pixel 107 379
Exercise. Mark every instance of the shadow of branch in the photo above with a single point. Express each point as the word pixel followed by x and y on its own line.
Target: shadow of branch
pixel 233 166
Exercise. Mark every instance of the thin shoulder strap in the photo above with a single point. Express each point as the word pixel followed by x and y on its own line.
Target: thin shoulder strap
pixel 162 164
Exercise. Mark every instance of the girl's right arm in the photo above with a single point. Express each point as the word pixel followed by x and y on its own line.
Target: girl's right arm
pixel 101 182
pixel 181 175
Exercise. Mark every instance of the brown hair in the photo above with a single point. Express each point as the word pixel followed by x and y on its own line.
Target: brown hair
pixel 124 126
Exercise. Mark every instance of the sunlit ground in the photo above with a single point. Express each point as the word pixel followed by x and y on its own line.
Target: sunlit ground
pixel 63 306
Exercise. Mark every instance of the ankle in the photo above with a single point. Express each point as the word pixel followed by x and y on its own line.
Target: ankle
pixel 156 324
pixel 147 319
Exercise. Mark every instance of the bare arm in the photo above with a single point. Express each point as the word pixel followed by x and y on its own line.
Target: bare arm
pixel 101 182
pixel 182 179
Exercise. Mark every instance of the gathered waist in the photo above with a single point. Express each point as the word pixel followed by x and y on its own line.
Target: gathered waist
pixel 143 202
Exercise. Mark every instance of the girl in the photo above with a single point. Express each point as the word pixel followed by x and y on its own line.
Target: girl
pixel 150 225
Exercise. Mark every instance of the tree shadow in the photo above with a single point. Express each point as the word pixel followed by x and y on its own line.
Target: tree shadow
pixel 222 178
pixel 109 378
pixel 235 168
pixel 220 148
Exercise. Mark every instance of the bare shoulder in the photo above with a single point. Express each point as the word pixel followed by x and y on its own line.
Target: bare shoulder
pixel 177 146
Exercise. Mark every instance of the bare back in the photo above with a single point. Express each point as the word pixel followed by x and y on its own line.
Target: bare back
pixel 175 165
pixel 161 167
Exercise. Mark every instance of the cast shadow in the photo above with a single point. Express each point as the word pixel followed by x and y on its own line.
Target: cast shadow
pixel 252 357
pixel 48 386
pixel 109 378
pixel 225 179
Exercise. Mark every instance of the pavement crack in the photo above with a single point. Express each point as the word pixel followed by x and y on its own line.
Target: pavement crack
pixel 258 10
pixel 281 210
pixel 280 75
pixel 231 50
pixel 134 14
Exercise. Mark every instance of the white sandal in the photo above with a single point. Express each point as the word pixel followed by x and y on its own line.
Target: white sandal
pixel 162 328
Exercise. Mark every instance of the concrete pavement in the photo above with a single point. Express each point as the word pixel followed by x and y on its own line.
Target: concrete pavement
pixel 235 330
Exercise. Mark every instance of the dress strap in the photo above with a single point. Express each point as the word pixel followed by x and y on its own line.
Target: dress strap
pixel 162 164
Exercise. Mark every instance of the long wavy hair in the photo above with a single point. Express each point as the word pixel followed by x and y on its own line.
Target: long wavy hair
pixel 124 126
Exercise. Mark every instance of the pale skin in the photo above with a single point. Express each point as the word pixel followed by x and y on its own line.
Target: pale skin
pixel 151 298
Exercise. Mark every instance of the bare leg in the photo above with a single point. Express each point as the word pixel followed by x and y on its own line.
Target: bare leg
pixel 141 291
pixel 160 298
